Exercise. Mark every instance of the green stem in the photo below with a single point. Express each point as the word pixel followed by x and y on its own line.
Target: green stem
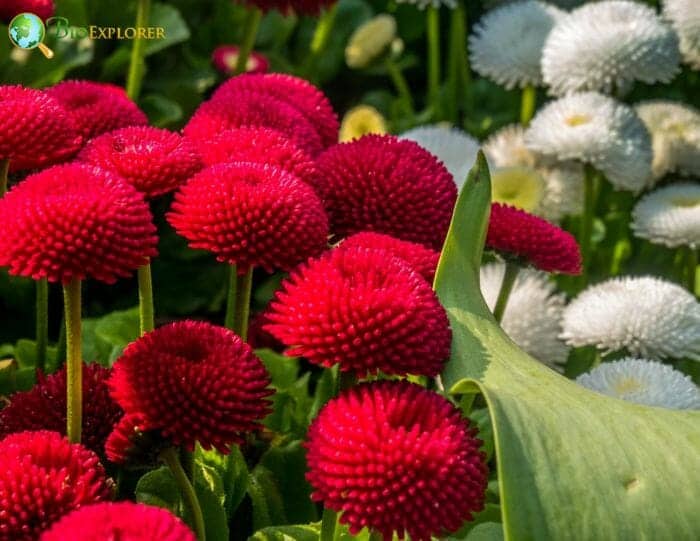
pixel 250 32
pixel 433 35
pixel 401 87
pixel 586 229
pixel 458 78
pixel 509 276
pixel 61 346
pixel 329 522
pixel 138 49
pixel 42 323
pixel 322 34
pixel 4 171
pixel 74 361
pixel 691 268
pixel 146 310
pixel 170 458
pixel 528 102
pixel 238 302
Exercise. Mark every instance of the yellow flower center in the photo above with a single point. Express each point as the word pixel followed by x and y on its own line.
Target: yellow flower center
pixel 231 61
pixel 686 202
pixel 626 385
pixel 520 187
pixel 361 120
pixel 577 120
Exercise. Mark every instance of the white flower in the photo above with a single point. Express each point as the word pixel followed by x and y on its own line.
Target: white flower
pixel 598 130
pixel 647 316
pixel 608 45
pixel 563 181
pixel 669 216
pixel 452 146
pixel 675 133
pixel 532 318
pixel 506 45
pixel 643 382
pixel 422 4
pixel 684 16
pixel 370 40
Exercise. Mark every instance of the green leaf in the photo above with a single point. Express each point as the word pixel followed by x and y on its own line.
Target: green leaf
pixel 158 488
pixel 572 464
pixel 268 507
pixel 169 18
pixel 105 338
pixel 304 532
pixel 232 471
pixel 160 110
pixel 215 520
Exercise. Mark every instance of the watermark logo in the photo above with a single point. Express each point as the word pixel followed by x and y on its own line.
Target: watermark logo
pixel 27 31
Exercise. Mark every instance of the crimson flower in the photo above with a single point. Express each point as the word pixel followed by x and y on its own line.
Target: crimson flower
pixel 225 58
pixel 41 8
pixel 383 184
pixel 363 310
pixel 75 221
pixel 517 234
pixel 42 478
pixel 396 458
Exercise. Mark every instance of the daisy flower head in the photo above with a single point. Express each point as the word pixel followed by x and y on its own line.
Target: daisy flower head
pixel 606 46
pixel 225 59
pixel 363 310
pixel 675 134
pixel 684 16
pixel 562 192
pixel 669 216
pixel 370 40
pixel 453 147
pixel 398 459
pixel 597 130
pixel 650 383
pixel 362 120
pixel 507 42
pixel 648 317
pixel 121 521
pixel 532 317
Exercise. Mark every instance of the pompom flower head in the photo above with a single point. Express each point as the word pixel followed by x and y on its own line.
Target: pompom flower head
pixel 532 316
pixel 383 184
pixel 153 160
pixel 192 382
pixel 598 130
pixel 35 130
pixel 43 407
pixel 363 310
pixel 514 233
pixel 506 45
pixel 362 120
pixel 684 16
pixel 421 259
pixel 258 145
pixel 644 382
pixel 75 222
pixel 396 458
pixel 225 58
pixel 122 521
pixel 608 45
pixel 297 93
pixel 42 478
pixel 41 8
pixel 370 41
pixel 669 216
pixel 454 148
pixel 97 107
pixel 646 316
pixel 251 215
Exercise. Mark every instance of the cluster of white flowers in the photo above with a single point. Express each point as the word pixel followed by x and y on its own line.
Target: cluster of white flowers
pixel 643 382
pixel 684 15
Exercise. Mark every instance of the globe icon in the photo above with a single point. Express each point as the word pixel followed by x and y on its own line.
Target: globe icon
pixel 27 31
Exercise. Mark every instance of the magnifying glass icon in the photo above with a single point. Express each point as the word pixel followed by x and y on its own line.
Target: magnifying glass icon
pixel 27 31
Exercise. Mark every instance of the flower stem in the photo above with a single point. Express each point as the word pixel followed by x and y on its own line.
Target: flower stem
pixel 238 302
pixel 329 525
pixel 433 35
pixel 74 361
pixel 458 78
pixel 528 102
pixel 4 171
pixel 146 310
pixel 509 276
pixel 42 323
pixel 170 458
pixel 137 64
pixel 586 229
pixel 250 31
pixel 692 268
pixel 401 86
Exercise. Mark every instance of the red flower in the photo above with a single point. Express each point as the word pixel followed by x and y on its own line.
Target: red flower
pixel 295 92
pixel 42 478
pixel 123 521
pixel 192 382
pixel 515 233
pixel 134 442
pixel 35 130
pixel 383 184
pixel 43 407
pixel 41 8
pixel 258 145
pixel 97 107
pixel 301 7
pixel 396 457
pixel 153 160
pixel 421 259
pixel 251 215
pixel 75 221
pixel 363 310
pixel 225 57
pixel 253 109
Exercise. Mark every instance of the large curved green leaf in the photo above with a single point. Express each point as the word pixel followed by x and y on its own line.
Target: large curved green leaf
pixel 572 464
